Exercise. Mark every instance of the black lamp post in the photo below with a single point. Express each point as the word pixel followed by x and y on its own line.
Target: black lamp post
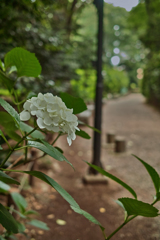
pixel 99 90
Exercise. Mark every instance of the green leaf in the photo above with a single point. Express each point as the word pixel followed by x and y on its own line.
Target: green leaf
pixel 100 170
pixel 55 185
pixel 7 179
pixel 26 63
pixel 10 110
pixel 82 134
pixel 7 220
pixel 2 65
pixel 21 227
pixel 77 104
pixel 59 149
pixel 30 212
pixel 6 120
pixel 1 148
pixel 152 172
pixel 135 207
pixel 26 128
pixel 88 216
pixel 13 135
pixel 4 187
pixel 49 149
pixel 8 83
pixel 19 201
pixel 12 69
pixel 61 191
pixel 9 126
pixel 38 224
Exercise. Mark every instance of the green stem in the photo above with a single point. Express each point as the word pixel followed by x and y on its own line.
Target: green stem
pixel 126 221
pixel 56 138
pixel 6 142
pixel 22 139
pixel 24 147
pixel 26 151
pixel 119 228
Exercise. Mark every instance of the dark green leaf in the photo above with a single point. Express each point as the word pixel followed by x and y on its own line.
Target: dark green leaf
pixel 77 104
pixel 1 65
pixel 158 196
pixel 10 110
pixel 49 149
pixel 19 201
pixel 7 179
pixel 7 220
pixel 152 172
pixel 26 128
pixel 59 149
pixel 100 170
pixel 13 135
pixel 82 134
pixel 39 224
pixel 135 207
pixel 26 63
pixel 8 83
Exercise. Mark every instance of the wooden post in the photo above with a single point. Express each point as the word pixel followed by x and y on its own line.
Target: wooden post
pixel 120 144
pixel 110 137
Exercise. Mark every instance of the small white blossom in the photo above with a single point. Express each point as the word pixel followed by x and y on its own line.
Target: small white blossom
pixel 52 114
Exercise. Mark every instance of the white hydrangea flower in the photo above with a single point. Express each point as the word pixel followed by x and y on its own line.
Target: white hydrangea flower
pixel 52 114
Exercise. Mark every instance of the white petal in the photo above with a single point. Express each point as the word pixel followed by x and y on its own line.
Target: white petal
pixel 47 120
pixel 40 123
pixel 27 105
pixel 25 115
pixel 69 141
pixel 55 129
pixel 40 96
pixel 48 97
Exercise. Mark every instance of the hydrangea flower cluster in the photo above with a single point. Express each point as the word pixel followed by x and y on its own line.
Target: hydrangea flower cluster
pixel 52 114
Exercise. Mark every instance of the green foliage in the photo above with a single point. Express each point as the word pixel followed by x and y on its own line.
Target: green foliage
pixel 115 81
pixel 25 62
pixel 82 134
pixel 26 128
pixel 48 149
pixel 19 201
pixel 100 170
pixel 39 224
pixel 26 137
pixel 7 179
pixel 85 86
pixel 135 207
pixel 153 174
pixel 75 103
pixel 148 30
pixel 7 220
pixel 13 113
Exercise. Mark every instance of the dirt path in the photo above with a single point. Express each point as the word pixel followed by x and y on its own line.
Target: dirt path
pixel 140 125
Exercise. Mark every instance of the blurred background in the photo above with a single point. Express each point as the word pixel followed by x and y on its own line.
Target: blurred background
pixel 63 35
